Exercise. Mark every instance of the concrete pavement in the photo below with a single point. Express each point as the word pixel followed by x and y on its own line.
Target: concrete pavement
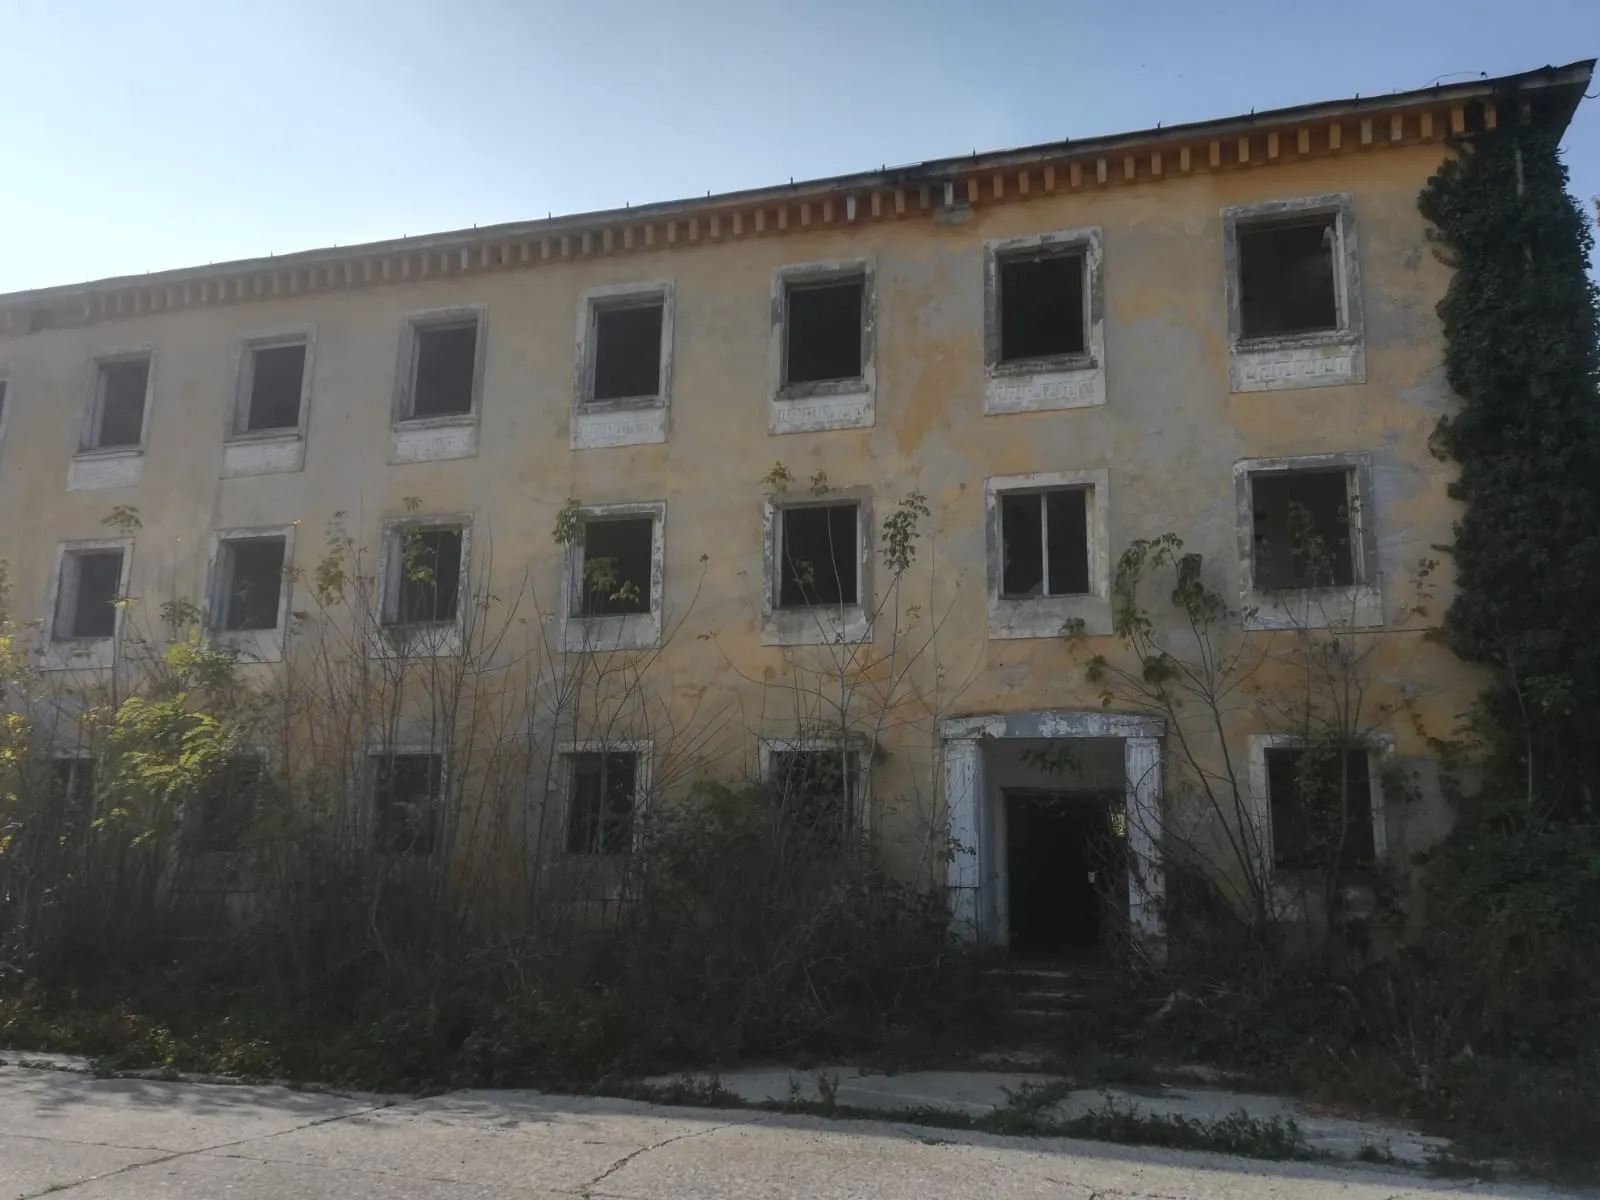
pixel 72 1135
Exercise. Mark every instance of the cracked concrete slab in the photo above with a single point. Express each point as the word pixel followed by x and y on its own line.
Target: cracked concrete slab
pixel 89 1139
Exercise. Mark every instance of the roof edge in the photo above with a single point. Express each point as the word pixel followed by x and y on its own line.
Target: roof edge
pixel 1567 84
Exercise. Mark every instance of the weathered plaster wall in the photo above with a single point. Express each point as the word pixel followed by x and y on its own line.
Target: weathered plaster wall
pixel 1168 436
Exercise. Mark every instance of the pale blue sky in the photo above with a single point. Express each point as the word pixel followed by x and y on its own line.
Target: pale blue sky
pixel 168 133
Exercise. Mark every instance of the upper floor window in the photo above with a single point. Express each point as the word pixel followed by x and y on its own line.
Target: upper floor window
pixel 1293 287
pixel 1043 330
pixel 823 333
pixel 424 575
pixel 822 347
pixel 1046 542
pixel 250 583
pixel 1307 544
pixel 819 552
pixel 1287 278
pixel 87 594
pixel 116 418
pixel 443 368
pixel 627 354
pixel 618 562
pixel 274 386
pixel 1041 303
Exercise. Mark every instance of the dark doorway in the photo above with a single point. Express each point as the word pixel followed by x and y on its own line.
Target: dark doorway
pixel 1060 867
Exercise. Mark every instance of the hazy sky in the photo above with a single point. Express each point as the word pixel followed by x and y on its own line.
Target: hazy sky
pixel 168 133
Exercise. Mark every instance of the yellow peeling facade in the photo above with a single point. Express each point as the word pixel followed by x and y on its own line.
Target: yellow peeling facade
pixel 1160 433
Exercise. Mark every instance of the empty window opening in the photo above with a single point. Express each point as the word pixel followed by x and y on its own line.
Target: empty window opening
pixel 1041 306
pixel 816 790
pixel 119 410
pixel 1303 530
pixel 618 556
pixel 228 807
pixel 70 786
pixel 817 548
pixel 627 352
pixel 824 331
pixel 406 797
pixel 1045 538
pixel 2 399
pixel 252 583
pixel 277 379
pixel 1286 277
pixel 446 357
pixel 427 576
pixel 1321 807
pixel 88 594
pixel 600 812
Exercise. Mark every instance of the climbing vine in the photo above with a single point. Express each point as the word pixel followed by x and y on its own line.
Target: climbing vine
pixel 1522 353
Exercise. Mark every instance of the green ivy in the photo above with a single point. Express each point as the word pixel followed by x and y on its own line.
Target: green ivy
pixel 1522 353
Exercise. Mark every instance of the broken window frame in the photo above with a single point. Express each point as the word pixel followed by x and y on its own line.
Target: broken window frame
pixel 65 590
pixel 641 752
pixel 1268 363
pixel 374 759
pixel 249 347
pixel 1358 604
pixel 816 624
pixel 420 637
pixel 266 641
pixel 856 753
pixel 821 404
pixel 1380 747
pixel 614 631
pixel 1042 496
pixel 417 324
pixel 94 413
pixel 613 298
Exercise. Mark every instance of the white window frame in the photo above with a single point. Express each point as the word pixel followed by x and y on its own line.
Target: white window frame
pixel 439 639
pixel 65 652
pixel 622 631
pixel 825 404
pixel 267 451
pixel 819 624
pixel 643 751
pixel 1323 358
pixel 93 467
pixel 1358 605
pixel 1046 616
pixel 253 645
pixel 858 744
pixel 635 421
pixel 368 774
pixel 1061 381
pixel 453 435
pixel 1287 897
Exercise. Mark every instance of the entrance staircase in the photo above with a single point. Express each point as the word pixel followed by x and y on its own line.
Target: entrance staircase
pixel 1045 992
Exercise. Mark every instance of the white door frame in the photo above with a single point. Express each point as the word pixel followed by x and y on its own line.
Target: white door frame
pixel 971 888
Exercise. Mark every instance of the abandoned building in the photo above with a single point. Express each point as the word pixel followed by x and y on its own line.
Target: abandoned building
pixel 1223 330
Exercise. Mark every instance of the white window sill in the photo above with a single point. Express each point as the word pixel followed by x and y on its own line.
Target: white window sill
pixel 1359 606
pixel 596 426
pixel 820 626
pixel 850 406
pixel 251 645
pixel 1046 616
pixel 91 470
pixel 79 654
pixel 1329 359
pixel 1045 389
pixel 417 641
pixel 597 635
pixel 431 439
pixel 268 453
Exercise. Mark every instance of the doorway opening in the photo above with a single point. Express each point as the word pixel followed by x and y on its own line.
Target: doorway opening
pixel 1062 872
